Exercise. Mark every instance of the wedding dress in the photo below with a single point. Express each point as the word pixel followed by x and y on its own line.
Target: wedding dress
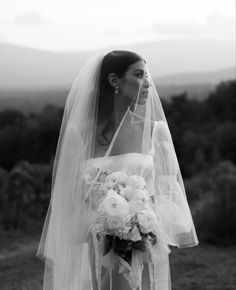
pixel 156 274
pixel 141 146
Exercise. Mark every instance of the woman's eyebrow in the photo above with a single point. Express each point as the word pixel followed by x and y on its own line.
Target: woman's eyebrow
pixel 142 71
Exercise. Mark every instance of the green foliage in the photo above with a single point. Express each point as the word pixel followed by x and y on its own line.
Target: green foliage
pixel 25 196
pixel 213 197
pixel 3 181
pixel 204 131
pixel 225 136
pixel 221 104
pixel 11 118
pixel 33 137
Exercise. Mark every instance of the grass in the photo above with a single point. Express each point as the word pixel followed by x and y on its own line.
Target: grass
pixel 205 267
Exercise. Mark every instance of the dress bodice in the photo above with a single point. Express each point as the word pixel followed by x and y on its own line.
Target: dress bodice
pixel 160 161
pixel 129 163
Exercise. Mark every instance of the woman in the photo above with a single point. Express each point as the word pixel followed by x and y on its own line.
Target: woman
pixel 118 199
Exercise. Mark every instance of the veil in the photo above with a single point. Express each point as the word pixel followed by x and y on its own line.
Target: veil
pixel 141 129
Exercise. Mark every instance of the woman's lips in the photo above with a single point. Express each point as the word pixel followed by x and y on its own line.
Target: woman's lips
pixel 145 93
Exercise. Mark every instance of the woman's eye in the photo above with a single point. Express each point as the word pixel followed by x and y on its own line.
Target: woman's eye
pixel 140 75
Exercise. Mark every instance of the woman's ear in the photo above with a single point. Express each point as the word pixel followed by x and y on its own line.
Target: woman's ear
pixel 113 80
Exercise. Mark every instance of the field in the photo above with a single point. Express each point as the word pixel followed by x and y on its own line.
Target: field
pixel 205 267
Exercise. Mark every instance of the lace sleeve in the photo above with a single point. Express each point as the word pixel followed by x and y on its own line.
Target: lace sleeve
pixel 171 204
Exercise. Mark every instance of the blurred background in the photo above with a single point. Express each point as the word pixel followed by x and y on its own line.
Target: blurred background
pixel 190 49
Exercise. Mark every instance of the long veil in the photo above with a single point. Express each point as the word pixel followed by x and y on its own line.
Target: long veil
pixel 142 130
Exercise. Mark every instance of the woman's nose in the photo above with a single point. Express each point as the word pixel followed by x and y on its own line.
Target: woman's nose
pixel 147 83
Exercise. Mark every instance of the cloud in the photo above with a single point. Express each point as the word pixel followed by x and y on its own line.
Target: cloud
pixel 221 24
pixel 4 37
pixel 29 18
pixel 129 32
pixel 216 25
pixel 172 29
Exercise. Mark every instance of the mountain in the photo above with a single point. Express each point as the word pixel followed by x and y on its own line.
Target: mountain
pixel 33 101
pixel 170 62
pixel 210 77
pixel 26 68
pixel 31 79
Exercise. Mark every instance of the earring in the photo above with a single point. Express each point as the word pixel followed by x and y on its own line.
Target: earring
pixel 117 90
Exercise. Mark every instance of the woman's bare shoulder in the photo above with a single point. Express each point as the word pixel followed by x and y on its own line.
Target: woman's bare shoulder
pixel 140 122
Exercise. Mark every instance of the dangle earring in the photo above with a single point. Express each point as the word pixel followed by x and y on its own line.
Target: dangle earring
pixel 117 90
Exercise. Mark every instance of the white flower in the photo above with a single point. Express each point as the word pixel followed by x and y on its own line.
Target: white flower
pixel 135 194
pixel 90 174
pixel 136 182
pixel 147 221
pixel 114 205
pixel 115 178
pixel 116 223
pixel 111 192
pixel 135 206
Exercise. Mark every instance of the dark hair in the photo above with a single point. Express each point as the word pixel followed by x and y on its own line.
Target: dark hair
pixel 118 62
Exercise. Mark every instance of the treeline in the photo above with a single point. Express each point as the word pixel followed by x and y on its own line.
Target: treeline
pixel 204 132
pixel 204 135
pixel 30 137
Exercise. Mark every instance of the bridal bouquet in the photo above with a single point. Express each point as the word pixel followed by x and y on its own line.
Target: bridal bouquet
pixel 123 211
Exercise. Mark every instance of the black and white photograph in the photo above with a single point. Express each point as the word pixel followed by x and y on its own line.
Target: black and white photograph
pixel 117 145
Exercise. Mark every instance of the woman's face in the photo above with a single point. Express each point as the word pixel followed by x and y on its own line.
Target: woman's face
pixel 135 82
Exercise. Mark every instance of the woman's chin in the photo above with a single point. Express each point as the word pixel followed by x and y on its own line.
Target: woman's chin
pixel 142 101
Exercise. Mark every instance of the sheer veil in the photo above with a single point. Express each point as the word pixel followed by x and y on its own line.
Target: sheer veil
pixel 142 130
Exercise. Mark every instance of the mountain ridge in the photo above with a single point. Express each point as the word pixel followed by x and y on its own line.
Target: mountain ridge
pixel 23 67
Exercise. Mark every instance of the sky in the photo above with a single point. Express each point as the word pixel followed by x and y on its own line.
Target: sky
pixel 77 25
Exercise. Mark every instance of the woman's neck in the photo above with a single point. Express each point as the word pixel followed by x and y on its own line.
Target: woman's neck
pixel 121 105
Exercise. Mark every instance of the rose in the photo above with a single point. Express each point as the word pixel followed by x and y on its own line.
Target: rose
pixel 135 194
pixel 135 206
pixel 115 178
pixel 136 182
pixel 114 205
pixel 147 221
pixel 111 192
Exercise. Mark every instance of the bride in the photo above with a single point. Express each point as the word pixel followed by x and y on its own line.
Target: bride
pixel 117 199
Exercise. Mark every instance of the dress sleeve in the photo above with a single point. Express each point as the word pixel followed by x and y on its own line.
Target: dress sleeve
pixel 171 205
